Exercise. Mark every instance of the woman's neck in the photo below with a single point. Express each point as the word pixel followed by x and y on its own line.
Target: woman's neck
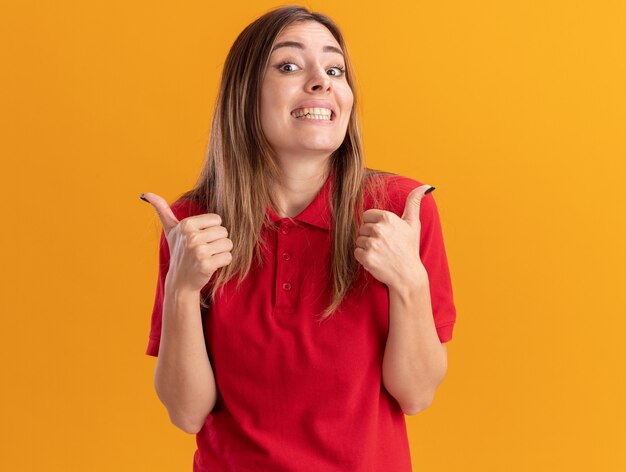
pixel 297 190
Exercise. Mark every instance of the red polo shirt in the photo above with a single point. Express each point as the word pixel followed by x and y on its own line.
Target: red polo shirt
pixel 295 394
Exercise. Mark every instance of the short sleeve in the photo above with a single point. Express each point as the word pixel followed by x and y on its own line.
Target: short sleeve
pixel 157 308
pixel 435 261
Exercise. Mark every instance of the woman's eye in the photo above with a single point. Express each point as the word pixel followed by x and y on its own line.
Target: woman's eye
pixel 280 66
pixel 290 64
pixel 340 69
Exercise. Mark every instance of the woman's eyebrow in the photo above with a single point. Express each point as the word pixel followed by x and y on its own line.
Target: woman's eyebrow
pixel 296 44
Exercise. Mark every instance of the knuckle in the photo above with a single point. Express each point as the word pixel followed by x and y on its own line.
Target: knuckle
pixel 218 218
pixel 185 227
pixel 192 240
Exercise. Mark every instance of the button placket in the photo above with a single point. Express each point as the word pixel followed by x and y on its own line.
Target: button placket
pixel 286 270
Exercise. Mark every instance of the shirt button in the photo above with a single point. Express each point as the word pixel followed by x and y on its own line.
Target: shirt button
pixel 287 286
pixel 286 256
pixel 285 230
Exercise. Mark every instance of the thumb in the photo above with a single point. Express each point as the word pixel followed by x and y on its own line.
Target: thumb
pixel 413 201
pixel 165 213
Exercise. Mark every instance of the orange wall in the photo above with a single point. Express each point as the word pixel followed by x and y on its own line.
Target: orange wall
pixel 515 111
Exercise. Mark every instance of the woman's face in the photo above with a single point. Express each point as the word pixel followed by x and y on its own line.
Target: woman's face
pixel 296 75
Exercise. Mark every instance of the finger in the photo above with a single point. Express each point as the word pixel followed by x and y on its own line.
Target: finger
pixel 373 215
pixel 411 212
pixel 363 242
pixel 165 213
pixel 204 221
pixel 222 259
pixel 204 236
pixel 219 246
pixel 210 234
pixel 359 255
pixel 367 229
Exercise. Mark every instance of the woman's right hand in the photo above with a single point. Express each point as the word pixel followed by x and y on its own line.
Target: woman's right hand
pixel 199 245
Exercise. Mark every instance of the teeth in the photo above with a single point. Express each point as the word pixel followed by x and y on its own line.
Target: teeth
pixel 314 117
pixel 324 113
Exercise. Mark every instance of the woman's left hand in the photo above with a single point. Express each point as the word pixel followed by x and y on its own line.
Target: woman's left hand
pixel 388 246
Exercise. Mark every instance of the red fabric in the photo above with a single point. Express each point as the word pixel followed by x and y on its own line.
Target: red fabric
pixel 294 394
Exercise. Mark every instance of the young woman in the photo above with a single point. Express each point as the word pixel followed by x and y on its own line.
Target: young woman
pixel 303 301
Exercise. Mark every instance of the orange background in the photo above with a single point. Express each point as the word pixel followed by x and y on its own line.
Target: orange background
pixel 515 111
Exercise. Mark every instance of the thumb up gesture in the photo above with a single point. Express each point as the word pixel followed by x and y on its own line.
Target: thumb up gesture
pixel 198 245
pixel 388 245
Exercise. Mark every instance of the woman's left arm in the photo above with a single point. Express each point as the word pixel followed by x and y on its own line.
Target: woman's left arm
pixel 415 361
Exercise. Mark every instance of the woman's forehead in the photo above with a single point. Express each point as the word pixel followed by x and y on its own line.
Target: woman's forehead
pixel 308 40
pixel 304 32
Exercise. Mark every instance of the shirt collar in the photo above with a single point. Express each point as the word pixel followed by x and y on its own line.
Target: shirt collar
pixel 318 212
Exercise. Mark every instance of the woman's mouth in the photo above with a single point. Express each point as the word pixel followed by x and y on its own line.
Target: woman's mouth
pixel 314 115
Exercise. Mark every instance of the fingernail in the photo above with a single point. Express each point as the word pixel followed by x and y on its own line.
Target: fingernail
pixel 429 190
pixel 143 198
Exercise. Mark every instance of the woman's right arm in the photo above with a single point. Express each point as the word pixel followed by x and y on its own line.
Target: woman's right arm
pixel 197 246
pixel 183 377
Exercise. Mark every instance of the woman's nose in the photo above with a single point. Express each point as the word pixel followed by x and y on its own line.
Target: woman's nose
pixel 320 80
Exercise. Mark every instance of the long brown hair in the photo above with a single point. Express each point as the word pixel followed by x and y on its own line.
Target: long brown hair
pixel 240 169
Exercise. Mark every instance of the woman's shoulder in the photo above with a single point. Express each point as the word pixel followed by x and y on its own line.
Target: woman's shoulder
pixel 391 191
pixel 184 207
